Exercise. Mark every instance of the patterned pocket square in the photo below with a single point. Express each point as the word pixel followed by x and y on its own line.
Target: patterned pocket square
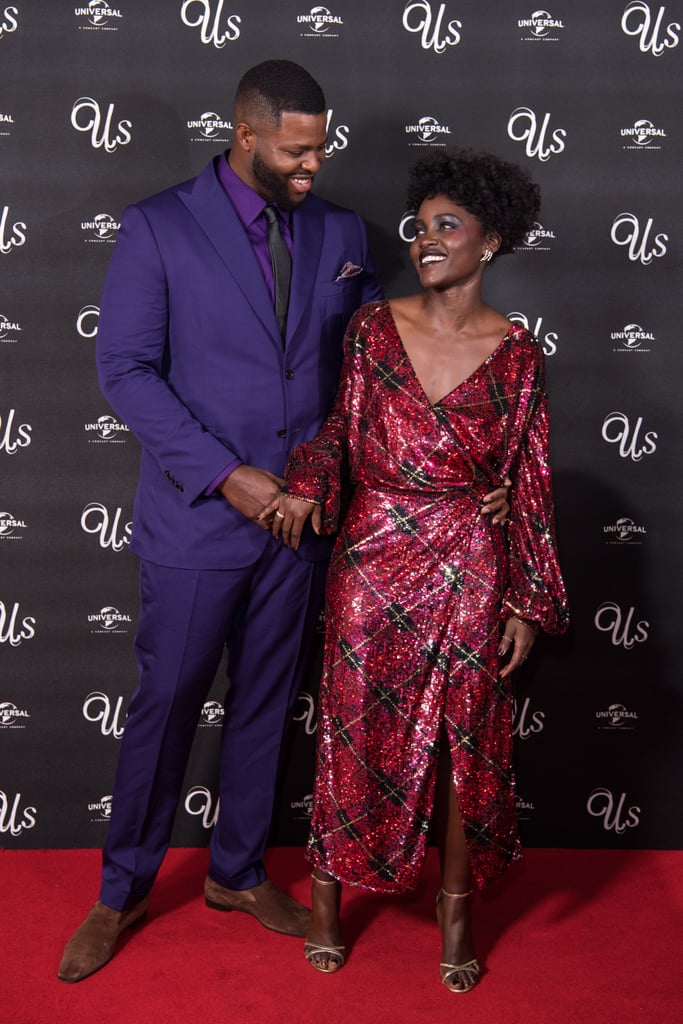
pixel 348 270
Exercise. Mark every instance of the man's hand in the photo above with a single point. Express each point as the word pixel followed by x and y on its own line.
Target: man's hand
pixel 251 490
pixel 496 503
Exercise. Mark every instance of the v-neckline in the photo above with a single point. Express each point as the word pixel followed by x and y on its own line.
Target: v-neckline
pixel 465 380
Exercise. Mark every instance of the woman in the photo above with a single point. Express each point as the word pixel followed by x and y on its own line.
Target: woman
pixel 429 608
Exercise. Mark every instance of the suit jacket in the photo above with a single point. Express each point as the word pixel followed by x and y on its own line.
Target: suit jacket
pixel 189 355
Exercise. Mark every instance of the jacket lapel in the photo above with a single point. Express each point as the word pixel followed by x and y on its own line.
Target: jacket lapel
pixel 209 205
pixel 308 230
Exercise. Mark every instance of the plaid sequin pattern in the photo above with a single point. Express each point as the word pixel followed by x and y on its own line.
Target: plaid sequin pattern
pixel 419 586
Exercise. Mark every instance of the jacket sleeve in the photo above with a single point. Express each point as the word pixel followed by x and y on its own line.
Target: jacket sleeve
pixel 536 589
pixel 132 352
pixel 316 470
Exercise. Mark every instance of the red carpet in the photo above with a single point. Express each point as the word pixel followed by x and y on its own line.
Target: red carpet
pixel 570 936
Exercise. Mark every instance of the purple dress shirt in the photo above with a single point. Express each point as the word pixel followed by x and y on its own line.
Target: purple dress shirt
pixel 249 208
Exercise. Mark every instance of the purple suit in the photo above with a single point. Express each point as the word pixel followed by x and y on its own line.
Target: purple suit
pixel 190 357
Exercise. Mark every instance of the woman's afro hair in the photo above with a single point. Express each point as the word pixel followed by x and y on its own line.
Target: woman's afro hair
pixel 500 194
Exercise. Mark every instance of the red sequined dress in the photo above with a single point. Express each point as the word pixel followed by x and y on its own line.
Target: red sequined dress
pixel 419 586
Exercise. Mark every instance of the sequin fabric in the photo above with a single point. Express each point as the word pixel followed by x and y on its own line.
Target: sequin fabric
pixel 419 587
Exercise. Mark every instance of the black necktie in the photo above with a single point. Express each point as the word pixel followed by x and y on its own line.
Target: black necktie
pixel 282 266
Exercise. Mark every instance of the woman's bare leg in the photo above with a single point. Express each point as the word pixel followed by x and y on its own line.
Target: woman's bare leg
pixel 324 945
pixel 453 906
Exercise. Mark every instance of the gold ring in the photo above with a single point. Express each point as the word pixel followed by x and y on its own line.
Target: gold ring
pixel 279 514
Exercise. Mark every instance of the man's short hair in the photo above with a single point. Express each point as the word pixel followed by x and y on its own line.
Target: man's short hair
pixel 276 87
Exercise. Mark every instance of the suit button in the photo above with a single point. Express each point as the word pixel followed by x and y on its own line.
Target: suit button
pixel 289 374
pixel 282 433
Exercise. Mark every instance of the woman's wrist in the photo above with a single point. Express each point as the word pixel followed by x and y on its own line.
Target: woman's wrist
pixel 533 627
pixel 299 497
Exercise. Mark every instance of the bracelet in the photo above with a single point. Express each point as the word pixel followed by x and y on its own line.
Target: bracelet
pixel 532 627
pixel 311 501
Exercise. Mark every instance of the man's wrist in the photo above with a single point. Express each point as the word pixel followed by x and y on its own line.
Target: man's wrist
pixel 222 477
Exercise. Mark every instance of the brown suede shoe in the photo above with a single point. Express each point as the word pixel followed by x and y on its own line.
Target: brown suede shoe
pixel 92 945
pixel 272 908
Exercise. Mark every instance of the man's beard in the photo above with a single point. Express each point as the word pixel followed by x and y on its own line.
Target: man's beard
pixel 272 184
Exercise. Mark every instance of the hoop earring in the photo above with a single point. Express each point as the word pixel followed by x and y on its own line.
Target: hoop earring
pixel 486 256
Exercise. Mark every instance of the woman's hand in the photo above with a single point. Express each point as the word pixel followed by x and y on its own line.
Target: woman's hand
pixel 288 517
pixel 518 638
pixel 496 503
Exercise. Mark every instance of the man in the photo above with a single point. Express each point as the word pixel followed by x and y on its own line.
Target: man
pixel 219 344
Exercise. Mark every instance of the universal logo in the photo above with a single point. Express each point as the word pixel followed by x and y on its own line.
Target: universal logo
pixel 319 22
pixel 305 805
pixel 9 527
pixel 642 135
pixel 98 708
pixel 109 620
pixel 631 339
pixel 8 330
pixel 107 526
pixel 108 430
pixel 105 133
pixel 98 14
pixel 429 132
pixel 654 36
pixel 542 26
pixel 213 713
pixel 102 809
pixel 12 235
pixel 215 27
pixel 616 817
pixel 624 531
pixel 200 803
pixel 525 809
pixel 87 321
pixel 12 437
pixel 617 717
pixel 5 121
pixel 548 340
pixel 429 21
pixel 12 818
pixel 211 127
pixel 525 126
pixel 632 440
pixel 8 20
pixel 14 629
pixel 12 717
pixel 623 630
pixel 102 228
pixel 537 239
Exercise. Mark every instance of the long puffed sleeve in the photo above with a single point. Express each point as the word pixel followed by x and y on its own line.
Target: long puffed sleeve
pixel 316 469
pixel 536 590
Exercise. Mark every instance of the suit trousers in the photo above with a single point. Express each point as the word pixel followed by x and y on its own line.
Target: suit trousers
pixel 266 614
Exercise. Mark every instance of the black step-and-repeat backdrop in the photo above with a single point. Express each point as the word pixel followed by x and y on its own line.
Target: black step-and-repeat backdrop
pixel 101 104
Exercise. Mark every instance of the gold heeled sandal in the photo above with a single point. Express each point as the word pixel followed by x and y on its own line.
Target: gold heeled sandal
pixel 466 975
pixel 335 954
pixel 335 957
